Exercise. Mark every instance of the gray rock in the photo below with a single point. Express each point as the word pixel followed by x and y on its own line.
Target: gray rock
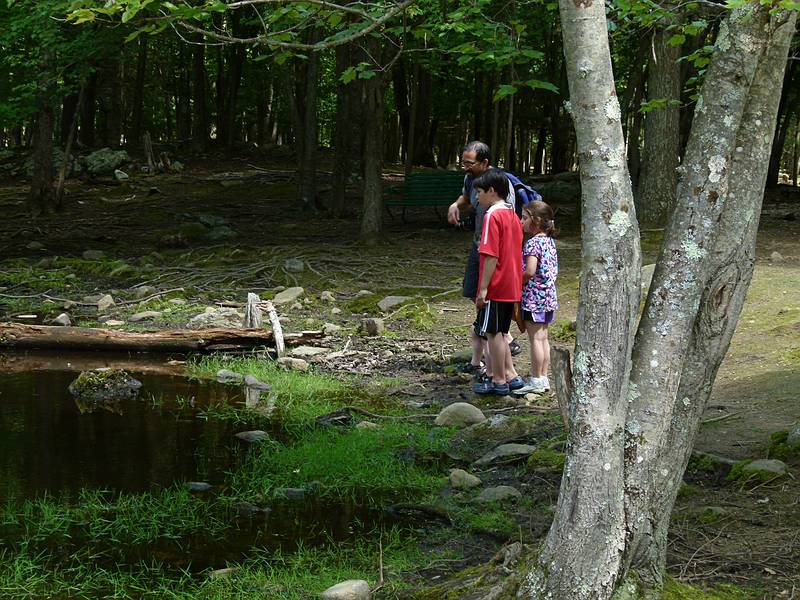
pixel 498 494
pixel 106 385
pixel 291 493
pixel 253 437
pixel 114 322
pixel 105 160
pixel 308 351
pixel 105 303
pixel 461 480
pixel 197 486
pixel 288 295
pixel 352 589
pixel 245 509
pixel 224 316
pixel 372 326
pixel 92 298
pixel 296 306
pixel 361 293
pixel 143 291
pixel 178 301
pixel 336 310
pixel 776 257
pixel 475 441
pixel 294 265
pixel 294 364
pixel 222 573
pixel 367 425
pixel 392 301
pixel 766 466
pixel 327 296
pixel 647 276
pixel 93 254
pixel 34 245
pixel 227 376
pixel 506 451
pixel 252 381
pixel 459 414
pixel 62 320
pixel 793 439
pixel 330 329
pixel 177 166
pixel 120 175
pixel 143 316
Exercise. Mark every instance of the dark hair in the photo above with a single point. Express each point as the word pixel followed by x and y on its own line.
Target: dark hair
pixel 495 179
pixel 542 215
pixel 481 150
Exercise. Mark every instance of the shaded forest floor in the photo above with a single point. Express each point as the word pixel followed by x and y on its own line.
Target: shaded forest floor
pixel 210 235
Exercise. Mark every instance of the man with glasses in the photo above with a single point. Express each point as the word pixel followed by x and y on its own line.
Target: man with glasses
pixel 475 160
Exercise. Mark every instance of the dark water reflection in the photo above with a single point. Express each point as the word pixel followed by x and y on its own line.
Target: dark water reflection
pixel 48 445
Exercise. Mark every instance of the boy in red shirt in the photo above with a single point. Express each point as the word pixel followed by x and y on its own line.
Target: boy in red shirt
pixel 500 280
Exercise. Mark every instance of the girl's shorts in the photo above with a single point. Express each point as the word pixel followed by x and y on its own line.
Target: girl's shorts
pixel 538 317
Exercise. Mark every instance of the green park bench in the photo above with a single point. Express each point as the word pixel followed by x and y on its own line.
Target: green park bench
pixel 427 188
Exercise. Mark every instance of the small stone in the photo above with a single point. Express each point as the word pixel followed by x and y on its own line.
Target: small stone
pixel 228 376
pixel 294 265
pixel 308 351
pixel 330 329
pixel 367 425
pixel 253 437
pixel 222 573
pixel 336 310
pixel 143 292
pixel 498 494
pixel 296 306
pixel 352 589
pixel 291 493
pixel 92 298
pixel 253 382
pixel 361 293
pixel 93 254
pixel 197 486
pixel 120 175
pixel 35 246
pixel 114 322
pixel 459 414
pixel 372 326
pixel 294 364
pixel 776 257
pixel 506 451
pixel 278 288
pixel 461 480
pixel 143 316
pixel 392 301
pixel 288 295
pixel 105 302
pixel 178 301
pixel 62 320
pixel 327 296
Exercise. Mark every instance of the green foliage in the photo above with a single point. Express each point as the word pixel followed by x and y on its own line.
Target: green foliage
pixel 546 460
pixel 778 448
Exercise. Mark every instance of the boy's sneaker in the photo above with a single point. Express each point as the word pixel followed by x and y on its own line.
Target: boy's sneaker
pixel 514 347
pixel 489 387
pixel 516 383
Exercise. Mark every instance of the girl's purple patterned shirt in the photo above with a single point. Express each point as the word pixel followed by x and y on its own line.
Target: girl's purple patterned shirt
pixel 539 294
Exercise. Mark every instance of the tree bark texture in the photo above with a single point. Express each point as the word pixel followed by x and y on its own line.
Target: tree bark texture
pixel 373 154
pixel 200 117
pixel 137 117
pixel 658 178
pixel 307 173
pixel 582 555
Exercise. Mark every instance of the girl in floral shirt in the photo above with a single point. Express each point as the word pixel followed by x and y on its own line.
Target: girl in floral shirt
pixel 539 300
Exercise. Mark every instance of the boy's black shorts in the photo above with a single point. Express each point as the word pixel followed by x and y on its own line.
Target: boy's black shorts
pixel 495 317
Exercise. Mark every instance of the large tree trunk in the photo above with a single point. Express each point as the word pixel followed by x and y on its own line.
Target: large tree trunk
pixel 134 137
pixel 344 136
pixel 307 172
pixel 42 193
pixel 582 555
pixel 730 267
pixel 373 154
pixel 655 193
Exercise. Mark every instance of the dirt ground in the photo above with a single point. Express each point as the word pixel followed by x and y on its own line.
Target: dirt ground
pixel 721 532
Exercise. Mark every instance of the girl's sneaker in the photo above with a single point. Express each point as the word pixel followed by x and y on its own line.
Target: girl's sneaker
pixel 535 385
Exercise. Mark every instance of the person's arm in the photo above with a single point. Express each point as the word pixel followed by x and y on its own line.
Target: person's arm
pixel 489 265
pixel 454 210
pixel 530 268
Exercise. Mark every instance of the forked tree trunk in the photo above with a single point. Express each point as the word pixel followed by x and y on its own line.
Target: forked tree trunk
pixel 582 555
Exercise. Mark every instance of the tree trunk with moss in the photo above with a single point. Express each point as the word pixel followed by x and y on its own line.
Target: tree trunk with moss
pixel 635 412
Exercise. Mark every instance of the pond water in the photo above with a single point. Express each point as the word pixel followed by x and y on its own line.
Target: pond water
pixel 49 444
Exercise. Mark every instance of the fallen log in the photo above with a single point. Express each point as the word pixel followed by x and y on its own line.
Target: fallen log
pixel 16 335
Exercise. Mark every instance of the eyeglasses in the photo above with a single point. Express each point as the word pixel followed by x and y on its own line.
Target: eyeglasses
pixel 468 163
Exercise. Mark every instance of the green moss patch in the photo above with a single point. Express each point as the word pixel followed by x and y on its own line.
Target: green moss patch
pixel 780 449
pixel 546 460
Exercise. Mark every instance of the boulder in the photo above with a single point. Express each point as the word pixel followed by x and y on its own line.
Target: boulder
pixel 372 326
pixel 392 301
pixel 331 329
pixel 498 494
pixel 294 364
pixel 62 320
pixel 143 316
pixel 506 452
pixel 110 385
pixel 105 160
pixel 459 414
pixel 352 589
pixel 765 468
pixel 288 295
pixel 253 437
pixel 461 480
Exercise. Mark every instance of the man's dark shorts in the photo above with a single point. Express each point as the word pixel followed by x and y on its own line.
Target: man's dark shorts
pixel 470 287
pixel 495 317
